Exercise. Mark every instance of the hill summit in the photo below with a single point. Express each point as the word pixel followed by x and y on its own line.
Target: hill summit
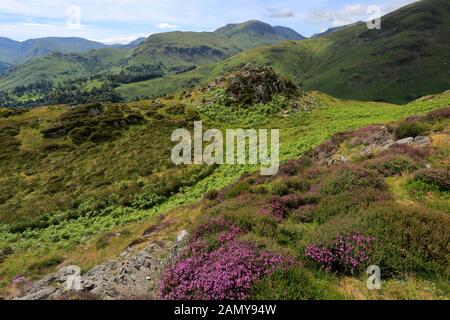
pixel 251 84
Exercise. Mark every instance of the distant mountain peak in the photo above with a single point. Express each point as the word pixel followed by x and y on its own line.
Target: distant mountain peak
pixel 259 28
pixel 252 26
pixel 288 33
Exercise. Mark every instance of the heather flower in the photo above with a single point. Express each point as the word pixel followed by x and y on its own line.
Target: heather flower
pixel 225 273
pixel 279 207
pixel 346 253
pixel 228 230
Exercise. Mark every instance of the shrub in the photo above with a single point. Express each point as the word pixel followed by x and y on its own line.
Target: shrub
pixel 279 207
pixel 280 188
pixel 345 254
pixel 225 230
pixel 410 129
pixel 293 284
pixel 212 195
pixel 333 205
pixel 5 252
pixel 296 184
pixel 225 273
pixel 393 165
pixel 443 113
pixel 416 153
pixel 258 189
pixel 304 214
pixel 407 239
pixel 348 178
pixel 236 190
pixel 293 167
pixel 434 178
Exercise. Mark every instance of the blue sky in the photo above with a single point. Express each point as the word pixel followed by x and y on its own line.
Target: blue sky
pixel 121 21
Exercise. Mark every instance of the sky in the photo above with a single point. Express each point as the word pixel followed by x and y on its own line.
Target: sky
pixel 121 21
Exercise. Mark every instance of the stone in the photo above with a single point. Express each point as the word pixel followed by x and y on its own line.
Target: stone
pixel 40 295
pixel 182 236
pixel 336 159
pixel 405 141
pixel 366 151
pixel 132 275
pixel 422 141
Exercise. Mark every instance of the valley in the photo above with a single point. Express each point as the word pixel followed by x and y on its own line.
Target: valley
pixel 90 187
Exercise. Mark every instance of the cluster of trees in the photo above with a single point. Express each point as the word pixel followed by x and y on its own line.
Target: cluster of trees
pixel 67 93
pixel 39 87
pixel 77 91
pixel 138 73
pixel 73 94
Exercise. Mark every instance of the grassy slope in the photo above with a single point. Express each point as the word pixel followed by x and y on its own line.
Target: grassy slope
pixel 94 174
pixel 59 67
pixel 407 58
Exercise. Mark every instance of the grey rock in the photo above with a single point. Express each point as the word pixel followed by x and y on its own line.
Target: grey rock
pixel 133 274
pixel 405 141
pixel 422 141
pixel 40 295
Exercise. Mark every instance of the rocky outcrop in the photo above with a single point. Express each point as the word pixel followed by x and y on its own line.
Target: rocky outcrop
pixel 135 274
pixel 251 85
pixel 368 140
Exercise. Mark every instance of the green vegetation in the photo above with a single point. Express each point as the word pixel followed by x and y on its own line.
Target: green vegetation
pixel 361 183
pixel 65 193
pixel 408 240
pixel 403 61
pixel 158 56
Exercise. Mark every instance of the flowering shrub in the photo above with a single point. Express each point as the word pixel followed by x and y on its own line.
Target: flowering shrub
pixel 279 207
pixel 225 273
pixel 393 165
pixel 346 253
pixel 349 178
pixel 438 178
pixel 439 114
pixel 293 167
pixel 226 230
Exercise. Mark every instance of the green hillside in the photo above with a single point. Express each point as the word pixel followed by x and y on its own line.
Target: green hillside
pixel 408 58
pixel 95 168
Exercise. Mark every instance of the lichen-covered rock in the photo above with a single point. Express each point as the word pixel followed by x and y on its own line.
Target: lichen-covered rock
pixel 251 85
pixel 133 274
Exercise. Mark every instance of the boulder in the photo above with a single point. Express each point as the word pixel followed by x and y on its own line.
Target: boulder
pixel 422 141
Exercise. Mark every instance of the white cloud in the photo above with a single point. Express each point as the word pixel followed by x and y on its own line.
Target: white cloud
pixel 280 13
pixel 353 13
pixel 165 26
pixel 108 19
pixel 120 40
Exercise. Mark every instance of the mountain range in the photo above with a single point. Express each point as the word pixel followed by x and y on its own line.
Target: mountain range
pixel 89 184
pixel 170 52
pixel 406 59
pixel 16 52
